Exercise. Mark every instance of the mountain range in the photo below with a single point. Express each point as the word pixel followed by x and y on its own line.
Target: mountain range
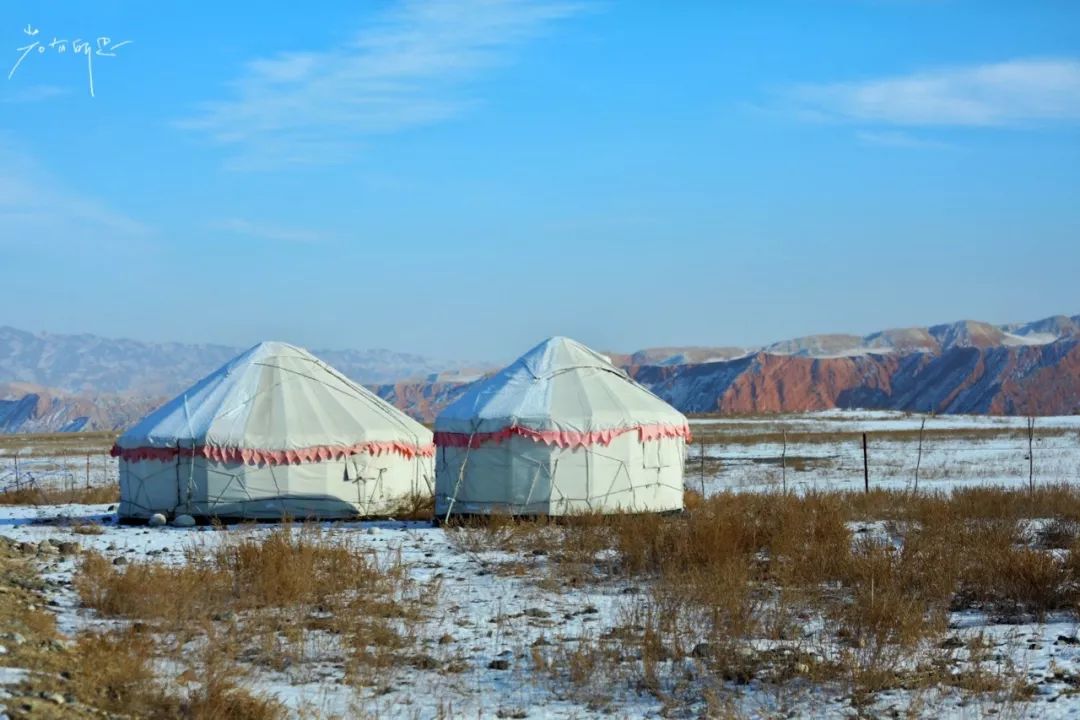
pixel 92 364
pixel 54 383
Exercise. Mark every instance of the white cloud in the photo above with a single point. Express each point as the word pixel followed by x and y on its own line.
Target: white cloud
pixel 41 210
pixel 407 70
pixel 273 233
pixel 1016 92
pixel 898 139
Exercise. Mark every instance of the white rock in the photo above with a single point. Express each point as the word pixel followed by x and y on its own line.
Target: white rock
pixel 183 521
pixel 156 520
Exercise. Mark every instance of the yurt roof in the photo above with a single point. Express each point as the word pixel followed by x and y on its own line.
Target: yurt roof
pixel 563 391
pixel 274 403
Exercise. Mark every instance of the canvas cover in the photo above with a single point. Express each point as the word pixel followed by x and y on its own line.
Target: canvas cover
pixel 269 432
pixel 559 430
pixel 560 385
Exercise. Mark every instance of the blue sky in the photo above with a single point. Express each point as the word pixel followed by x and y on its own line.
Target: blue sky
pixel 462 178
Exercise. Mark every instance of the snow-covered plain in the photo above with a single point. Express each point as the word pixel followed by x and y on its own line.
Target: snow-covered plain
pixel 824 451
pixel 490 616
pixel 493 616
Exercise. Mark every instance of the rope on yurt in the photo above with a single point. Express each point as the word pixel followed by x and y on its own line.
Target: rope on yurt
pixel 191 478
pixel 378 406
pixel 461 475
pixel 141 488
pixel 178 462
pixel 532 486
pixel 588 478
pixel 359 480
pixel 379 489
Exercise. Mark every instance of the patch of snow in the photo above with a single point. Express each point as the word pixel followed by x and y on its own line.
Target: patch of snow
pixel 1043 338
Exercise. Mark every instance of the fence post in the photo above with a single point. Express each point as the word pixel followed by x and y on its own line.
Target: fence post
pixel 783 462
pixel 1031 452
pixel 865 466
pixel 87 471
pixel 701 462
pixel 918 459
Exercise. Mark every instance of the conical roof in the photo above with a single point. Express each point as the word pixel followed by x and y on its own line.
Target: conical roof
pixel 274 403
pixel 560 385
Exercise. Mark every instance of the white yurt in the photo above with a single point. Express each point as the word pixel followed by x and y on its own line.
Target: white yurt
pixel 275 432
pixel 559 431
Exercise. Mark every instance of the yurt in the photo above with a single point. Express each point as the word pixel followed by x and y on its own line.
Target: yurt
pixel 559 431
pixel 274 433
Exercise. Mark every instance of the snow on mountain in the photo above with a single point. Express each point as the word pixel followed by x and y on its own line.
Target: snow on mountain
pixel 82 382
pixel 92 364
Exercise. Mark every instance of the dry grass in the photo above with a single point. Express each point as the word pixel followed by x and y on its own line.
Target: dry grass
pixel 877 573
pixel 76 444
pixel 114 672
pixel 734 432
pixel 285 568
pixel 266 600
pixel 95 495
pixel 87 528
pixel 109 674
pixel 417 506
pixel 851 592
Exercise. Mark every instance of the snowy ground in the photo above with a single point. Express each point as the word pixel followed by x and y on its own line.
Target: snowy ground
pixel 492 616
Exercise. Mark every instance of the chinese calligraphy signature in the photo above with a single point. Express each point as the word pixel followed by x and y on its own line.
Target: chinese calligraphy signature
pixel 102 46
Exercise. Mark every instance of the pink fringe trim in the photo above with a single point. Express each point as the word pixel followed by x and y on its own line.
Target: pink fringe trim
pixel 562 438
pixel 251 456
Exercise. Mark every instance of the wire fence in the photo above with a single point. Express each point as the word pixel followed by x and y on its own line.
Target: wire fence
pixel 911 461
pixel 60 472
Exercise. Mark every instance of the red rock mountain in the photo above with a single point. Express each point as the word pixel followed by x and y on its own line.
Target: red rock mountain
pixel 964 367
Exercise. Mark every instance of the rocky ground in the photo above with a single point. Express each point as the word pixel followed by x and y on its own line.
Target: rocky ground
pixel 36 661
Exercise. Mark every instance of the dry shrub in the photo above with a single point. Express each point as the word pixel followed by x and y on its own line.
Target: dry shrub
pixel 221 699
pixel 692 500
pixel 898 596
pixel 217 695
pixel 808 538
pixel 979 540
pixel 895 605
pixel 745 566
pixel 497 532
pixel 284 568
pixel 151 591
pixel 1014 580
pixel 416 506
pixel 1045 501
pixel 585 671
pixel 973 503
pixel 794 539
pixel 113 672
